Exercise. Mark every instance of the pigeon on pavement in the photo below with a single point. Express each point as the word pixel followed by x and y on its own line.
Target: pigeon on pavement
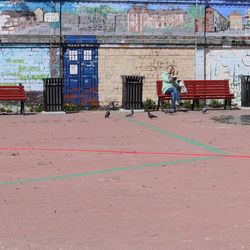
pixel 204 110
pixel 151 116
pixel 130 114
pixel 107 114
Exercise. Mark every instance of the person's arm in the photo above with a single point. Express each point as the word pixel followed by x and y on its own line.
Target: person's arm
pixel 166 77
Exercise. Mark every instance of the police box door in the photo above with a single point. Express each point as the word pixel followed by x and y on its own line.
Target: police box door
pixel 80 71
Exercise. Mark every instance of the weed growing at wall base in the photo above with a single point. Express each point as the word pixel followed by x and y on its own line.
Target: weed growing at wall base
pixel 215 104
pixel 149 104
pixel 69 107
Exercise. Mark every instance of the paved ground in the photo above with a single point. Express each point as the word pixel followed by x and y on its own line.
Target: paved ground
pixel 79 181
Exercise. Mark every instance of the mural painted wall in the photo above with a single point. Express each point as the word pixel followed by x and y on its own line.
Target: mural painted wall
pixel 19 17
pixel 25 65
pixel 126 18
pixel 154 19
pixel 229 64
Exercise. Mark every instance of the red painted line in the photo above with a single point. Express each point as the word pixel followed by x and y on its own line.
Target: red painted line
pixel 122 152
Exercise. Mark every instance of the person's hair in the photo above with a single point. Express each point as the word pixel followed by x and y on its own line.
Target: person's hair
pixel 172 68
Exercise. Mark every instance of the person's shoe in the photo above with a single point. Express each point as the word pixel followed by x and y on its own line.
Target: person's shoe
pixel 171 111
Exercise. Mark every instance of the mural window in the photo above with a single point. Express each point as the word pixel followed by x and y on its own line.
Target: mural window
pixel 73 69
pixel 73 56
pixel 87 55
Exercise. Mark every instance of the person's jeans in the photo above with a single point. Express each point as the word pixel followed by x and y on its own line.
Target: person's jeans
pixel 174 96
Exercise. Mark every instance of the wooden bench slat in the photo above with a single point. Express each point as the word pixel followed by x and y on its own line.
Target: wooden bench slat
pixel 10 90
pixel 17 95
pixel 12 93
pixel 13 98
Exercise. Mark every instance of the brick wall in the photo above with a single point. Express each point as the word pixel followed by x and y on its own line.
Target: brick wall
pixel 147 62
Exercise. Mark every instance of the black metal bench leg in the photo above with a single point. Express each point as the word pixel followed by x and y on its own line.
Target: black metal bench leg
pixel 22 108
pixel 193 104
pixel 162 104
pixel 225 104
pixel 158 105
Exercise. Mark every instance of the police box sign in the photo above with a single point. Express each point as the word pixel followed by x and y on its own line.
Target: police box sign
pixel 80 45
pixel 52 17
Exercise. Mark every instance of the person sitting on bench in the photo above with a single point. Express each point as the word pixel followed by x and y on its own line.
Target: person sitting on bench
pixel 169 86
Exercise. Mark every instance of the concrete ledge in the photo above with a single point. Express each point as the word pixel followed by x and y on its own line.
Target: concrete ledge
pixel 233 40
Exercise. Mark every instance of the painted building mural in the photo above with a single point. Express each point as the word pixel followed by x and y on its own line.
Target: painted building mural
pixel 31 18
pixel 128 18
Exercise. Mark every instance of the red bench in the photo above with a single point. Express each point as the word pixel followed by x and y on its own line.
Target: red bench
pixel 199 90
pixel 13 93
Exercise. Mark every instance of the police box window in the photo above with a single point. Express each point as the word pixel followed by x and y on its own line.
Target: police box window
pixel 73 56
pixel 87 55
pixel 73 69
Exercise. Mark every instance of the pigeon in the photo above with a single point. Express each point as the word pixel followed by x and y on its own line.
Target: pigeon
pixel 107 114
pixel 113 106
pixel 130 114
pixel 204 110
pixel 151 115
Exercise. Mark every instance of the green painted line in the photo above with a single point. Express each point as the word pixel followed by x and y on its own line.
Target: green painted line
pixel 179 137
pixel 103 171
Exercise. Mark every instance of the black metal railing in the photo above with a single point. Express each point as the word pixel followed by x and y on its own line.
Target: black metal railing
pixel 132 91
pixel 53 94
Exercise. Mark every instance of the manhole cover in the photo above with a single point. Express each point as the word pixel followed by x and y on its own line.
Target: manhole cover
pixel 241 119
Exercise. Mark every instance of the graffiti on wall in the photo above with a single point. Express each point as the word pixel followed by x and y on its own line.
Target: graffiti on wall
pixel 229 64
pixel 24 65
pixel 107 18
